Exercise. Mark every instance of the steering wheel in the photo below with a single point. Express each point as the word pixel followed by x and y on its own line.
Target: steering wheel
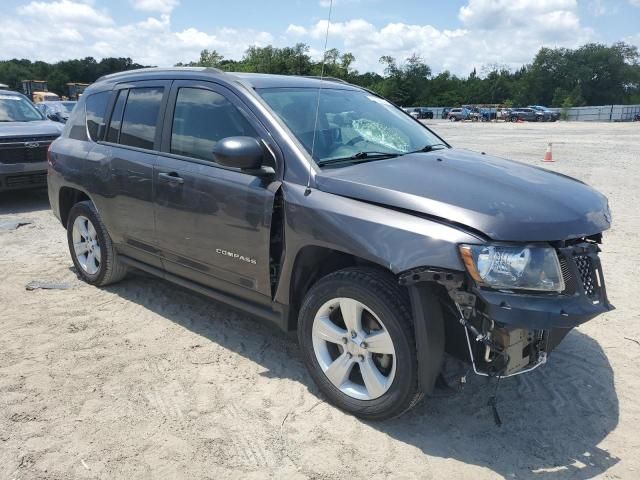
pixel 354 140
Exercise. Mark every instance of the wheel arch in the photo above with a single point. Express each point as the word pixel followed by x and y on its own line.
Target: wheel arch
pixel 67 198
pixel 310 265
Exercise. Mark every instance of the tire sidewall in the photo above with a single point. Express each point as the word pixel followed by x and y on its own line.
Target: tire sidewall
pixel 87 210
pixel 402 386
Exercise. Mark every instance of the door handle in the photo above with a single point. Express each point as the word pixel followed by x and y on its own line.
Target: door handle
pixel 172 177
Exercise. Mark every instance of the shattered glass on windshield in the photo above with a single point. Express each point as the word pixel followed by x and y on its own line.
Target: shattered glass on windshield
pixel 381 134
pixel 350 123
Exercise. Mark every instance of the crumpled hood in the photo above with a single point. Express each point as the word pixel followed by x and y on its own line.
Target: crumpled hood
pixel 27 129
pixel 503 199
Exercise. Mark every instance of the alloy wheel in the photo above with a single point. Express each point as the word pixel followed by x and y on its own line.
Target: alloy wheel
pixel 86 245
pixel 354 349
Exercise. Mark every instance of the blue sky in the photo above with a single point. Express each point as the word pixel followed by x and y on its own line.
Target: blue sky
pixel 453 35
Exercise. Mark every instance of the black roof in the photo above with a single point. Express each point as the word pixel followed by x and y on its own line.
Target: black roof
pixel 254 80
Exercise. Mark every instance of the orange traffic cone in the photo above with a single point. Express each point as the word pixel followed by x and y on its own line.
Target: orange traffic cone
pixel 548 156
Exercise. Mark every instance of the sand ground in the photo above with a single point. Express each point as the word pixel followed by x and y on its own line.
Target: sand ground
pixel 146 380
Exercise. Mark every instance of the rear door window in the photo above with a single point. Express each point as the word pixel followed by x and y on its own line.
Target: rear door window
pixel 96 107
pixel 140 117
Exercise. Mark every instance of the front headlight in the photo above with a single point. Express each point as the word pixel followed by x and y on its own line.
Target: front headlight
pixel 513 267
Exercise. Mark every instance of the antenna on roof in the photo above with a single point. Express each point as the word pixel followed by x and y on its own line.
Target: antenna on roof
pixel 315 122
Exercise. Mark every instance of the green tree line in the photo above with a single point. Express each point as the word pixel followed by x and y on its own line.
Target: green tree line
pixel 594 74
pixel 86 70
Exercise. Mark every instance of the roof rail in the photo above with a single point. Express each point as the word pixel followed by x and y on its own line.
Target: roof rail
pixel 159 69
pixel 329 79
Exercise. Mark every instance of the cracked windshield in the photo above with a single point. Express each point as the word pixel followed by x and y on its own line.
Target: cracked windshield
pixel 352 125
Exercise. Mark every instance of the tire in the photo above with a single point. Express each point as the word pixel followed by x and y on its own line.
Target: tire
pixel 392 388
pixel 105 267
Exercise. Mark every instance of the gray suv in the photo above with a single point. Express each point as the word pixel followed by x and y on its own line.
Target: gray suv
pixel 323 208
pixel 25 136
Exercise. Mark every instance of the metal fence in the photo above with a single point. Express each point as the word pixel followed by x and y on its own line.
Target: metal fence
pixel 604 113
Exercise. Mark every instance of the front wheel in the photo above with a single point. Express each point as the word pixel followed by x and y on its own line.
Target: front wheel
pixel 356 336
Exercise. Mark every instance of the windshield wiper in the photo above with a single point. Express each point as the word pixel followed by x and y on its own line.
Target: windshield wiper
pixel 427 148
pixel 358 157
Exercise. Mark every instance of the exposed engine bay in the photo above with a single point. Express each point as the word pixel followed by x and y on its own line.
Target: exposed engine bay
pixel 503 333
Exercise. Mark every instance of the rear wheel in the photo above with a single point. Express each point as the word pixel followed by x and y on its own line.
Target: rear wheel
pixel 91 248
pixel 355 333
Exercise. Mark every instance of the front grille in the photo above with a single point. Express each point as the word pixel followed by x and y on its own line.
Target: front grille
pixel 587 275
pixel 23 155
pixel 39 138
pixel 28 180
pixel 581 270
pixel 567 276
pixel 15 150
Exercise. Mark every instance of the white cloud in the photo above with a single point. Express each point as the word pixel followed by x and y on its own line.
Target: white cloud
pixel 489 14
pixel 81 30
pixel 162 6
pixel 492 31
pixel 64 12
pixel 296 30
pixel 498 31
pixel 633 40
pixel 635 2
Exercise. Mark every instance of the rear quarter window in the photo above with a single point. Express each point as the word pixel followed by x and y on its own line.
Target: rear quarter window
pixel 76 127
pixel 96 106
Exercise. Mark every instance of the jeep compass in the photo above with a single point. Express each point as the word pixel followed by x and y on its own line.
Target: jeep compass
pixel 323 208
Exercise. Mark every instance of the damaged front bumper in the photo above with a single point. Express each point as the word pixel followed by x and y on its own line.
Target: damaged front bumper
pixel 506 333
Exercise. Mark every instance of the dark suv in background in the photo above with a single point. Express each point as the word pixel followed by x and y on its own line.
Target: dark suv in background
pixel 25 136
pixel 323 208
pixel 420 113
pixel 525 115
pixel 548 115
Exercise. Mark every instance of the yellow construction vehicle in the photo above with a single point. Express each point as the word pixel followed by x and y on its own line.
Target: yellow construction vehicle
pixel 75 90
pixel 37 91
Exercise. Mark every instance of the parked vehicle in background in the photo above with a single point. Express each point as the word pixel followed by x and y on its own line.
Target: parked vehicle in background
pixel 4 86
pixel 503 114
pixel 547 114
pixel 457 114
pixel 420 113
pixel 38 91
pixel 488 114
pixel 25 136
pixel 524 114
pixel 445 113
pixel 475 114
pixel 56 111
pixel 341 218
pixel 75 90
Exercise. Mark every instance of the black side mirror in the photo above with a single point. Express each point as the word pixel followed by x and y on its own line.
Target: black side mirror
pixel 245 153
